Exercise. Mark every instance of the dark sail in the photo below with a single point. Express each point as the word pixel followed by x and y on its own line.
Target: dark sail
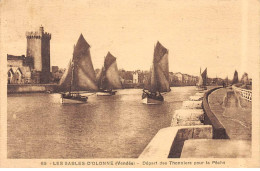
pixel 235 78
pixel 82 72
pixel 109 77
pixel 160 70
pixel 204 77
pixel 147 80
pixel 102 80
pixel 154 82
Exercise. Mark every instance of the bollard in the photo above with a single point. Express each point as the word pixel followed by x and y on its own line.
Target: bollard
pixel 192 104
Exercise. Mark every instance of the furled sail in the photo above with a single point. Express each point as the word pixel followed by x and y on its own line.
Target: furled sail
pixel 80 71
pixel 160 70
pixel 204 77
pixel 109 77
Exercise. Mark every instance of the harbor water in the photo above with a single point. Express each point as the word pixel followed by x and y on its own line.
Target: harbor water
pixel 117 126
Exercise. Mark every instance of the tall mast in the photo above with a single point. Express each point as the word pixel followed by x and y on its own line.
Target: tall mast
pixel 72 70
pixel 72 73
pixel 156 77
pixel 103 76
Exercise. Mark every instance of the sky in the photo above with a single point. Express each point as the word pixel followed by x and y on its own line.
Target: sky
pixel 214 34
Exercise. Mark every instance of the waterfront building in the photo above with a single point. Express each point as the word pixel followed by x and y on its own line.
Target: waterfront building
pixel 19 69
pixel 127 76
pixel 173 79
pixel 35 66
pixel 38 48
pixel 194 80
pixel 179 77
pixel 176 79
pixel 185 79
pixel 14 75
pixel 135 77
pixel 139 76
pixel 56 74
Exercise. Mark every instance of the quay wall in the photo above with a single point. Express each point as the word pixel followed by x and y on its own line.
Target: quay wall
pixel 219 131
pixel 187 123
pixel 168 142
pixel 30 88
pixel 196 120
pixel 132 85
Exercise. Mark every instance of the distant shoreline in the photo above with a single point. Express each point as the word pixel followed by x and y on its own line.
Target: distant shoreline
pixel 50 88
pixel 30 88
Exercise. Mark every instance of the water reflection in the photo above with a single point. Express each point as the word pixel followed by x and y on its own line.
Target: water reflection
pixel 119 126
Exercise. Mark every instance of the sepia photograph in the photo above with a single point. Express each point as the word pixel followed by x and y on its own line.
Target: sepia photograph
pixel 140 83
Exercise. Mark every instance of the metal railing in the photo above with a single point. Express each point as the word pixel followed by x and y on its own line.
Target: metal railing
pixel 244 93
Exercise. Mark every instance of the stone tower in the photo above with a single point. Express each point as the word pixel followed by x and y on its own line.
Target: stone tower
pixel 38 47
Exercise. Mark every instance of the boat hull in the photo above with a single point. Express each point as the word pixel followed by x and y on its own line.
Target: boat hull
pixel 106 93
pixel 72 99
pixel 149 98
pixel 151 101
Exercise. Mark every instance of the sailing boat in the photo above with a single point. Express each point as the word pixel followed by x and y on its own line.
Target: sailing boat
pixel 235 78
pixel 159 77
pixel 109 77
pixel 202 80
pixel 79 76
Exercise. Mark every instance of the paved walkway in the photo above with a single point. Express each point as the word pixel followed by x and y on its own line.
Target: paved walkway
pixel 237 120
pixel 209 148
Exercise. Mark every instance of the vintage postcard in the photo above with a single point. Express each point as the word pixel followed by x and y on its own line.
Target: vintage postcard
pixel 129 84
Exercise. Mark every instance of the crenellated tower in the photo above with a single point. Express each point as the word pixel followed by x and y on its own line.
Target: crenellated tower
pixel 38 47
